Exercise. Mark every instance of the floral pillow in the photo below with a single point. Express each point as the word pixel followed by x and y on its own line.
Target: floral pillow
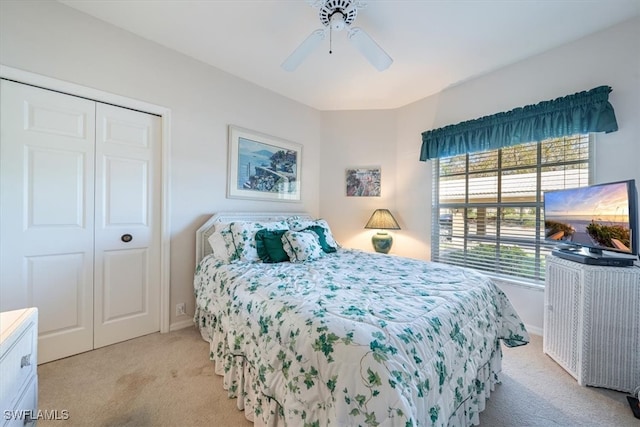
pixel 301 245
pixel 298 224
pixel 322 237
pixel 244 237
pixel 221 243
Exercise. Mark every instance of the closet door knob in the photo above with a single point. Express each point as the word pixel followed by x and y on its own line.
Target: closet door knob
pixel 126 238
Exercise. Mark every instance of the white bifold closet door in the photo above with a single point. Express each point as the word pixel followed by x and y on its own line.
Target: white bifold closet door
pixel 79 218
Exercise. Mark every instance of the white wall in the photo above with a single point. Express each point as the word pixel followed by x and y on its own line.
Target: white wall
pixel 368 138
pixel 357 139
pixel 611 57
pixel 53 40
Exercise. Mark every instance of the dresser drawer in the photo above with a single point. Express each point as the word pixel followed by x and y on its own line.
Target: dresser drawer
pixel 18 362
pixel 25 413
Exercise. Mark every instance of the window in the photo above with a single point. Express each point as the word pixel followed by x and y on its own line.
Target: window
pixel 488 205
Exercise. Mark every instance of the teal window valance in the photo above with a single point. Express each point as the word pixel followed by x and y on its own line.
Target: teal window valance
pixel 583 112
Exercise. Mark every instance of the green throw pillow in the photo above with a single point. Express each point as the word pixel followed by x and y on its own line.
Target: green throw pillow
pixel 269 246
pixel 320 231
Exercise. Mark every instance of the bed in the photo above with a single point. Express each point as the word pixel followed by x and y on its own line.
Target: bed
pixel 345 337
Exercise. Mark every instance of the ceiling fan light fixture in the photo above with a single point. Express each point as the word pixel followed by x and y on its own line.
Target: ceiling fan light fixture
pixel 336 22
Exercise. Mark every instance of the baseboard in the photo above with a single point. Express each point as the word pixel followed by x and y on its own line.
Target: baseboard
pixel 186 323
pixel 534 330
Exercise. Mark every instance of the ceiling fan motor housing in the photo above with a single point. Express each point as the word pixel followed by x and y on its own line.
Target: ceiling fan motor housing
pixel 338 13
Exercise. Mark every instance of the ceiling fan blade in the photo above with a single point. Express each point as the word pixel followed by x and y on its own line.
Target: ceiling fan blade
pixel 302 51
pixel 369 48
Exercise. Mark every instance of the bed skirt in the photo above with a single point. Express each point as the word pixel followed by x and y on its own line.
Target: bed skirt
pixel 239 379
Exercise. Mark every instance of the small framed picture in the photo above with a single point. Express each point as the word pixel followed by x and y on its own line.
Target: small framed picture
pixel 363 181
pixel 263 167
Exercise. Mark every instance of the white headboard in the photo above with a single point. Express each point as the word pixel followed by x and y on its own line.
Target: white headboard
pixel 202 234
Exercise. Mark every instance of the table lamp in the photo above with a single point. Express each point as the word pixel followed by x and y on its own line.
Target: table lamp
pixel 382 220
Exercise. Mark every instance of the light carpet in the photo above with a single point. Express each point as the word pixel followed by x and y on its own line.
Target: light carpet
pixel 168 380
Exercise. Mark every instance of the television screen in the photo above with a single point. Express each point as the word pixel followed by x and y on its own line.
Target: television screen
pixel 598 217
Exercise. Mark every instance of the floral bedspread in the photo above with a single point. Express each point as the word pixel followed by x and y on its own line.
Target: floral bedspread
pixel 358 338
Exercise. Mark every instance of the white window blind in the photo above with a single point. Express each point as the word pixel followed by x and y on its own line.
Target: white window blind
pixel 488 206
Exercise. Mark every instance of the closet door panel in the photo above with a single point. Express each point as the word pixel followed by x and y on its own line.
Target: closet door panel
pixel 126 188
pixel 46 214
pixel 127 281
pixel 126 273
pixel 54 282
pixel 55 178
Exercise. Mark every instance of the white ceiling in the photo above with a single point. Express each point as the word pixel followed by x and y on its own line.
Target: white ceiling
pixel 434 43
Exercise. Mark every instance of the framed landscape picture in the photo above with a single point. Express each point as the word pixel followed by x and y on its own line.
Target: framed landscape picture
pixel 363 181
pixel 262 167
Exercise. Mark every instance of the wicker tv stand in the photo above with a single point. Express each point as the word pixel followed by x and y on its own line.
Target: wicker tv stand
pixel 592 322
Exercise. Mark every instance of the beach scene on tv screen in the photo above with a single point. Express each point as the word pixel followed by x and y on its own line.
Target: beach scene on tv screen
pixel 590 216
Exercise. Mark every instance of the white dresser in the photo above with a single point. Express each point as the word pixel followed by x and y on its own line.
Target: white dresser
pixel 18 367
pixel 592 322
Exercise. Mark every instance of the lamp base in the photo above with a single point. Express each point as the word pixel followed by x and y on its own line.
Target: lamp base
pixel 382 242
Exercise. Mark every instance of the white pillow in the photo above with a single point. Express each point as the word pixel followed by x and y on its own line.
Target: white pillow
pixel 297 224
pixel 220 247
pixel 244 237
pixel 221 243
pixel 301 245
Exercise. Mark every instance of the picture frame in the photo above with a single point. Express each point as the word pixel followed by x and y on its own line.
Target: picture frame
pixel 263 167
pixel 364 181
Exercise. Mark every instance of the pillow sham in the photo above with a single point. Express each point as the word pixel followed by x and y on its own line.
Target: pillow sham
pixel 221 243
pixel 244 233
pixel 298 224
pixel 269 246
pixel 321 232
pixel 219 246
pixel 301 245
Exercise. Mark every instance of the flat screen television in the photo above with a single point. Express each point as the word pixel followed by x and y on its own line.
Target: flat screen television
pixel 601 217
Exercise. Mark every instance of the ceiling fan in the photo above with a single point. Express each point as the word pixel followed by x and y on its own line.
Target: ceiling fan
pixel 335 15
